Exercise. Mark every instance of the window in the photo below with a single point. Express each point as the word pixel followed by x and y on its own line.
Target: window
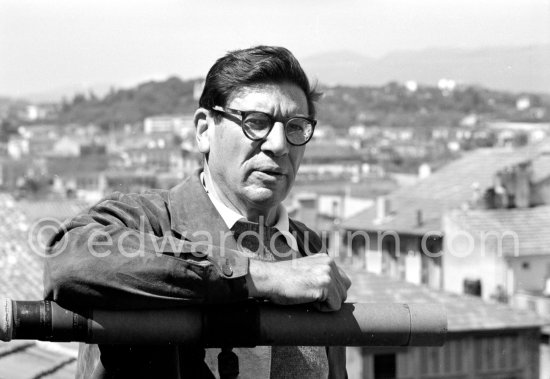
pixel 385 366
pixel 472 287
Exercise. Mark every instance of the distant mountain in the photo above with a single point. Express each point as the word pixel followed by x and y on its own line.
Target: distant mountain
pixel 342 60
pixel 514 69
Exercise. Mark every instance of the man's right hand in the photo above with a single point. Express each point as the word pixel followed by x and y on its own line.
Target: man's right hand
pixel 315 278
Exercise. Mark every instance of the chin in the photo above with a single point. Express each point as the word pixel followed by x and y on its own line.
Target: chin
pixel 265 197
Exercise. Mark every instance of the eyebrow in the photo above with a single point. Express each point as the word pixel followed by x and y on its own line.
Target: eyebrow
pixel 270 114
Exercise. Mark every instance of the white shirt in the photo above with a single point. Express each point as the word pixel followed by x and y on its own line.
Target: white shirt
pixel 312 360
pixel 230 217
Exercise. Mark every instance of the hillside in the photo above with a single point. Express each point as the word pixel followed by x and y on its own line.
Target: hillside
pixel 128 106
pixel 394 105
pixel 391 104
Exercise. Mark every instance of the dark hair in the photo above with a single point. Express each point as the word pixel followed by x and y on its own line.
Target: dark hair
pixel 256 65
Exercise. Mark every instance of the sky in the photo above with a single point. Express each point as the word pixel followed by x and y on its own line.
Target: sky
pixel 47 45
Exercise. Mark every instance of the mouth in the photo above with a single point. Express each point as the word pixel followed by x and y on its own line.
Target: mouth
pixel 272 172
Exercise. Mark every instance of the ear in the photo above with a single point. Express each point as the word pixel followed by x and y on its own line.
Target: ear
pixel 203 122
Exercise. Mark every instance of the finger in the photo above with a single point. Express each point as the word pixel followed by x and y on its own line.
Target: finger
pixel 326 306
pixel 333 303
pixel 336 293
pixel 339 286
pixel 344 294
pixel 345 278
pixel 343 282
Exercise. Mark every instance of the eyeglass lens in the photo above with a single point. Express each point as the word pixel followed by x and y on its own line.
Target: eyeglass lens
pixel 298 130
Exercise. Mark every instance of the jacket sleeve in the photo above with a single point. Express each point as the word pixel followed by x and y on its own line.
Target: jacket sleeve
pixel 118 255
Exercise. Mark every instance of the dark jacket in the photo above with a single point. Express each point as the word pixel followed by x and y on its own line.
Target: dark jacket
pixel 153 268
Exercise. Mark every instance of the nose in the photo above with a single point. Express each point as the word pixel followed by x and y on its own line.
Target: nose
pixel 276 140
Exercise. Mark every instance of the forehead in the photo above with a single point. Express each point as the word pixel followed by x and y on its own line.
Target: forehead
pixel 283 98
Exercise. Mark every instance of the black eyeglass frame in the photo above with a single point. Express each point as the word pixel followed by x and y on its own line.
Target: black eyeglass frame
pixel 272 119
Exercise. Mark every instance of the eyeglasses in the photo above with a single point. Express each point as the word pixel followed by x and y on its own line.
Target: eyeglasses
pixel 257 125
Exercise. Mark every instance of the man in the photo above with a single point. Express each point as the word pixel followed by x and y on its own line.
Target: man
pixel 255 117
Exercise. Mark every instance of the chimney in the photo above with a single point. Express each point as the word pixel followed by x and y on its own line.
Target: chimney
pixel 382 207
pixel 502 183
pixel 476 200
pixel 522 190
pixel 424 171
pixel 419 218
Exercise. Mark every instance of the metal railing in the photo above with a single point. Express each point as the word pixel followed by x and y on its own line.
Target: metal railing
pixel 237 325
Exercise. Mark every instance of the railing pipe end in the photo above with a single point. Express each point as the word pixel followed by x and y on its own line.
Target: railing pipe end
pixel 6 320
pixel 428 324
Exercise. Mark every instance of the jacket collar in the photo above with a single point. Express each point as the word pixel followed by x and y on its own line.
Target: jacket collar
pixel 194 216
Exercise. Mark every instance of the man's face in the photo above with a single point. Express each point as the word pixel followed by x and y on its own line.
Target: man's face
pixel 255 176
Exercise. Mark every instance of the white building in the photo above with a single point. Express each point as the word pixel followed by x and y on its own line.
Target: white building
pixel 181 125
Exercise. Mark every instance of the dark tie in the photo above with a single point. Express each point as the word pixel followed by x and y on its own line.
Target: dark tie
pixel 262 242
pixel 268 243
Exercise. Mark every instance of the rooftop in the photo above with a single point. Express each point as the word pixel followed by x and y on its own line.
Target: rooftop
pixel 35 359
pixel 59 209
pixel 529 225
pixel 65 166
pixel 465 313
pixel 21 279
pixel 329 152
pixel 448 188
pixel 21 269
pixel 541 168
pixel 401 218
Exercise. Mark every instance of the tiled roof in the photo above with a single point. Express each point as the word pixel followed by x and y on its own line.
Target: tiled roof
pixel 541 168
pixel 464 312
pixel 530 226
pixel 21 269
pixel 448 188
pixel 59 209
pixel 163 150
pixel 66 166
pixel 330 152
pixel 402 218
pixel 452 184
pixel 21 279
pixel 30 360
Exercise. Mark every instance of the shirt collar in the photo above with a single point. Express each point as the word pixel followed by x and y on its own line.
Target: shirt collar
pixel 230 217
